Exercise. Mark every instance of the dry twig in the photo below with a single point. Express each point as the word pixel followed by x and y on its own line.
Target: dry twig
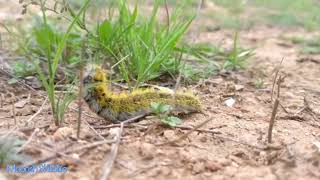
pixel 80 103
pixel 118 125
pixel 61 154
pixel 13 108
pixel 267 147
pixel 186 134
pixel 1 100
pixel 93 129
pixel 300 111
pixel 23 84
pixel 112 157
pixel 134 118
pixel 167 13
pixel 275 109
pixel 14 113
pixel 202 130
pixel 275 78
pixel 83 113
pixel 31 118
pixel 309 109
pixel 87 146
pixel 30 138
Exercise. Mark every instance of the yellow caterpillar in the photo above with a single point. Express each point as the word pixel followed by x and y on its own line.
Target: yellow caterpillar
pixel 117 107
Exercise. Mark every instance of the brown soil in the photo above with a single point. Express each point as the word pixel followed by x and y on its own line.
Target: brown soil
pixel 235 147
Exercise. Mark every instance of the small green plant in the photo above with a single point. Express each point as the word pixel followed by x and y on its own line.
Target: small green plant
pixel 196 72
pixel 58 106
pixel 46 48
pixel 200 60
pixel 23 69
pixel 238 57
pixel 162 111
pixel 259 83
pixel 141 48
pixel 10 150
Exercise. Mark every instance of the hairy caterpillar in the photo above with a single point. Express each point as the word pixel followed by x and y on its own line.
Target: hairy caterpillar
pixel 117 107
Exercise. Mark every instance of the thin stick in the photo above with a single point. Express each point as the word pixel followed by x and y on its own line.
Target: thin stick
pixel 38 112
pixel 308 108
pixel 167 13
pixel 87 146
pixel 120 85
pixel 268 147
pixel 84 113
pixel 284 109
pixel 118 125
pixel 300 111
pixel 186 134
pixel 27 129
pixel 1 44
pixel 176 86
pixel 80 103
pixel 274 111
pixel 197 16
pixel 90 127
pixel 30 138
pixel 275 78
pixel 201 130
pixel 1 100
pixel 14 113
pixel 22 83
pixel 135 118
pixel 60 154
pixel 273 116
pixel 31 118
pixel 114 151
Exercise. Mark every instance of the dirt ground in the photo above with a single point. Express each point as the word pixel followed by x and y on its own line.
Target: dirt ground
pixel 232 145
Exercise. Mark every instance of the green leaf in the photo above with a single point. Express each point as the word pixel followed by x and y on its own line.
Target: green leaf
pixel 164 108
pixel 44 36
pixel 13 81
pixel 172 121
pixel 155 107
pixel 105 31
pixel 160 108
pixel 23 68
pixel 64 39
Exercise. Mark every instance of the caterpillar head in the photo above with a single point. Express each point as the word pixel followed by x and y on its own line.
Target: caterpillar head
pixel 94 74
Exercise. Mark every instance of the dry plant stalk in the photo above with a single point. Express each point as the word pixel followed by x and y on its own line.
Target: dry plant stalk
pixel 184 136
pixel 113 154
pixel 68 151
pixel 167 13
pixel 275 108
pixel 275 78
pixel 1 100
pixel 309 109
pixel 80 102
pixel 13 108
pixel 15 128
